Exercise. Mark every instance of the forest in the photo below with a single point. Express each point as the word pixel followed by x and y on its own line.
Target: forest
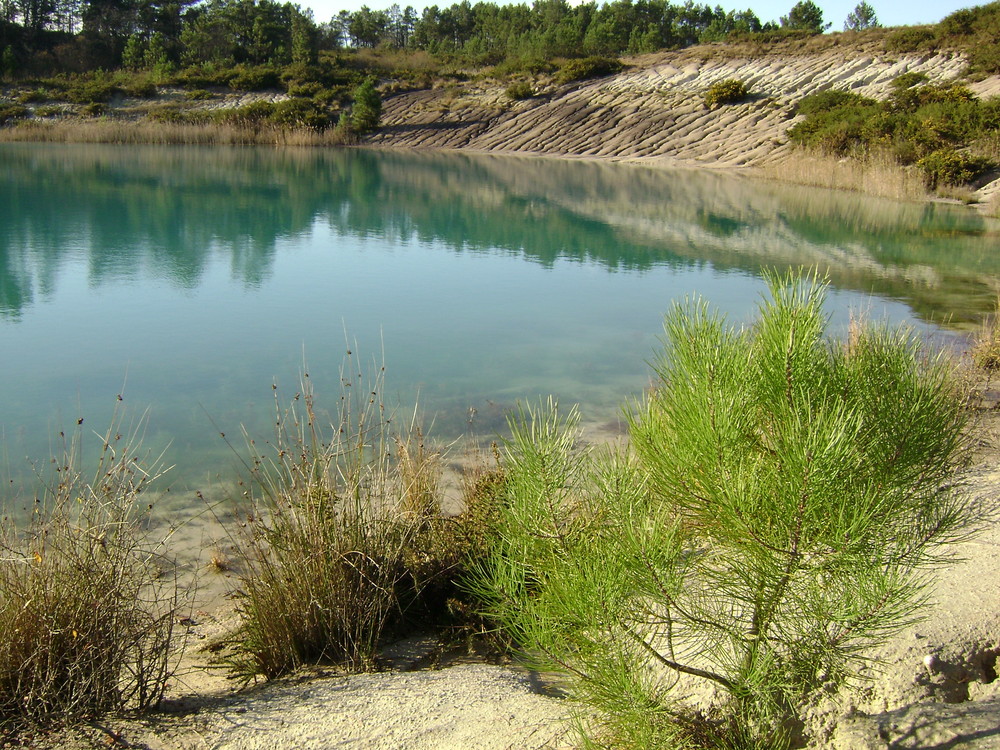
pixel 48 37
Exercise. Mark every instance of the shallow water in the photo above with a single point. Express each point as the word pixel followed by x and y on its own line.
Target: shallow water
pixel 189 280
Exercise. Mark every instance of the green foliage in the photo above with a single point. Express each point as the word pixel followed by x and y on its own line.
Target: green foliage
pixel 10 112
pixel 250 114
pixel 729 91
pixel 861 18
pixel 914 123
pixel 946 166
pixel 299 113
pixel 586 68
pixel 86 610
pixel 912 39
pixel 520 90
pixel 256 78
pixel 824 101
pixel 781 497
pixel 908 80
pixel 805 15
pixel 8 62
pixel 367 108
pixel 90 89
pixel 34 95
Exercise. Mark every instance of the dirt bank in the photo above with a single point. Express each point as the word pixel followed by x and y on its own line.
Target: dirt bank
pixel 654 109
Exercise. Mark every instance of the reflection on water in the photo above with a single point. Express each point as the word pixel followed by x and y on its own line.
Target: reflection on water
pixel 194 276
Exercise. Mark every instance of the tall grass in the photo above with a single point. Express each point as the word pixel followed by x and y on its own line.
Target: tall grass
pixel 878 174
pixel 87 599
pixel 170 133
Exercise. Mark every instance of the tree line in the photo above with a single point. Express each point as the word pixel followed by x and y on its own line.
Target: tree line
pixel 50 36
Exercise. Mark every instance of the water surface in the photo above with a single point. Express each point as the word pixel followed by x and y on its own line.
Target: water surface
pixel 191 279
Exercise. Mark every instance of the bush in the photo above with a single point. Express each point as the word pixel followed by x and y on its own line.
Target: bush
pixel 520 90
pixel 908 80
pixel 729 91
pixel 10 112
pixel 299 113
pixel 781 497
pixel 259 78
pixel 91 92
pixel 586 68
pixel 949 167
pixel 249 114
pixel 87 607
pixel 912 39
pixel 35 95
pixel 824 101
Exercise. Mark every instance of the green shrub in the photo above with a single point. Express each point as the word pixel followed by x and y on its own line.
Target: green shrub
pixel 199 95
pixel 300 113
pixel 587 67
pixel 949 167
pixel 908 80
pixel 140 88
pixel 912 39
pixel 830 99
pixel 781 498
pixel 729 91
pixel 305 90
pixel 96 90
pixel 10 112
pixel 35 95
pixel 94 109
pixel 520 90
pixel 87 609
pixel 259 78
pixel 249 114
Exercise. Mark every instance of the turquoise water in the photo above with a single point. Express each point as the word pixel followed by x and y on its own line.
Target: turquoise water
pixel 189 280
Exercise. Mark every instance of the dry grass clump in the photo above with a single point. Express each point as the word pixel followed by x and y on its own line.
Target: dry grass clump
pixel 86 611
pixel 341 537
pixel 986 345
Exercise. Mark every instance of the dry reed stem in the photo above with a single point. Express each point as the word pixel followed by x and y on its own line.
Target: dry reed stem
pixel 158 133
pixel 877 175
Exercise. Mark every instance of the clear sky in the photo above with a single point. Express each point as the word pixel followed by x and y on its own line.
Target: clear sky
pixel 894 13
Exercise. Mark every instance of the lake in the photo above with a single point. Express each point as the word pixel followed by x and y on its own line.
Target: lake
pixel 189 280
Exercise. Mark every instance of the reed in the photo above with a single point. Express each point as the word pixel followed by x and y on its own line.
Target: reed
pixel 877 175
pixel 115 131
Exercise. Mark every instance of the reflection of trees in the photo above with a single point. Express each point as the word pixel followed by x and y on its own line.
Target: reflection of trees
pixel 137 211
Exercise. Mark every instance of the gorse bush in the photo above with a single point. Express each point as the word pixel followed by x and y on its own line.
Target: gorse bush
pixel 929 125
pixel 520 90
pixel 770 521
pixel 729 91
pixel 87 603
pixel 586 68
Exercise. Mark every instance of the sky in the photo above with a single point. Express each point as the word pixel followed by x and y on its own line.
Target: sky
pixel 894 13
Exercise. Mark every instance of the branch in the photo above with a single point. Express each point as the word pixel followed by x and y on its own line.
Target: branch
pixel 677 667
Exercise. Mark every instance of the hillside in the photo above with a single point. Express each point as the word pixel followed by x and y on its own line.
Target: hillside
pixel 654 109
